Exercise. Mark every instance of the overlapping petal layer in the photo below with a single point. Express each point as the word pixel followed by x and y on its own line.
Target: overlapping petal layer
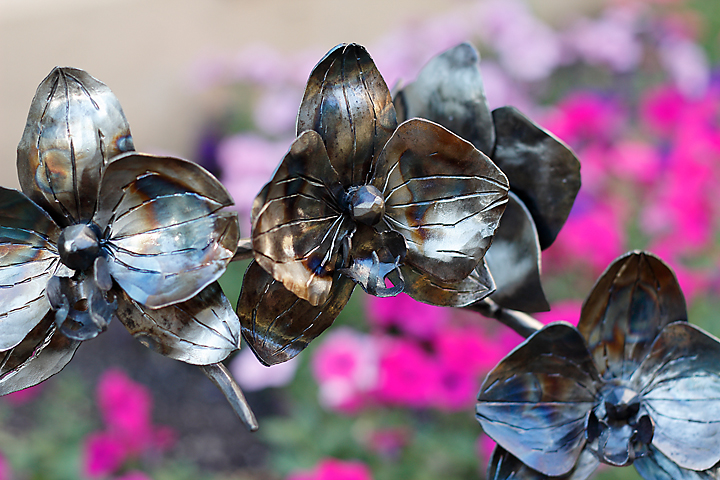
pixel 163 228
pixel 505 466
pixel 28 259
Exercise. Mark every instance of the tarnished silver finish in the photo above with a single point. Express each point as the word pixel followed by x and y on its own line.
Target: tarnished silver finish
pixel 201 331
pixel 74 128
pixel 98 233
pixel 543 171
pixel 514 260
pixel 505 466
pixel 276 323
pixel 633 380
pixel 222 378
pixel 475 287
pixel 420 180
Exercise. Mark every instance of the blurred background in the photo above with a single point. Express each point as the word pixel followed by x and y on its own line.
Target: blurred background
pixel 388 392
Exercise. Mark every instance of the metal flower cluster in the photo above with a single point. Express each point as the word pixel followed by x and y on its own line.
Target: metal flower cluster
pixel 544 173
pixel 99 232
pixel 634 383
pixel 361 199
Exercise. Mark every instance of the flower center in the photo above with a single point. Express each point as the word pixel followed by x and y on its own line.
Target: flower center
pixel 366 204
pixel 619 428
pixel 79 246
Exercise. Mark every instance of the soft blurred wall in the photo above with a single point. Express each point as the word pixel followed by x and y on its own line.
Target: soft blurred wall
pixel 145 51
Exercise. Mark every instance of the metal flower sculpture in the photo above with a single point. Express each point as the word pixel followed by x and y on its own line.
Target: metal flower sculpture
pixel 634 383
pixel 544 175
pixel 100 231
pixel 359 199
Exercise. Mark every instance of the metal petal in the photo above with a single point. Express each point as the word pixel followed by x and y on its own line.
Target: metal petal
pixel 628 307
pixel 443 195
pixel 166 237
pixel 348 103
pixel 201 331
pixel 74 128
pixel 375 258
pixel 514 260
pixel 656 466
pixel 505 466
pixel 41 354
pixel 276 324
pixel 681 390
pixel 423 288
pixel 297 233
pixel 449 91
pixel 28 259
pixel 535 403
pixel 543 171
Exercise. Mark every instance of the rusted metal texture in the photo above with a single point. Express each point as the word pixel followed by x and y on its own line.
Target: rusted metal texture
pixel 634 382
pixel 544 173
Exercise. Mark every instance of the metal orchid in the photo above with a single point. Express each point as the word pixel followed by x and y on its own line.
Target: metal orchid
pixel 544 176
pixel 361 199
pixel 100 231
pixel 633 384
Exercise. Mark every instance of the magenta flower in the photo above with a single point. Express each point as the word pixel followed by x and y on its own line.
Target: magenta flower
pixel 408 375
pixel 104 454
pixel 252 376
pixel 419 320
pixel 334 469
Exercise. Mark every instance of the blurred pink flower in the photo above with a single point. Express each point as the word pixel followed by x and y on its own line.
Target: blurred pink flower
pixel 635 160
pixel 5 469
pixel 345 365
pixel 104 453
pixel 126 409
pixel 251 375
pixel 247 162
pixel 408 374
pixel 485 447
pixel 276 110
pixel 527 48
pixel 687 64
pixel 593 235
pixel 406 315
pixel 25 395
pixel 564 311
pixel 585 116
pixel 333 469
pixel 588 38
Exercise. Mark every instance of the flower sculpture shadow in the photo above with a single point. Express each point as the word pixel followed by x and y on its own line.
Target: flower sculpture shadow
pixel 361 199
pixel 634 383
pixel 544 175
pixel 100 231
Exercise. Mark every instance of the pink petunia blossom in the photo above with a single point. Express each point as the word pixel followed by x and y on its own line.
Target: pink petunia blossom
pixel 345 365
pixel 103 454
pixel 252 376
pixel 585 116
pixel 25 395
pixel 408 375
pixel 334 469
pixel 401 312
pixel 564 311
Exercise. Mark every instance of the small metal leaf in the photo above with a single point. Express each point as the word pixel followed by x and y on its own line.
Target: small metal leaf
pixel 656 466
pixel 505 466
pixel 443 195
pixel 535 403
pixel 41 354
pixel 348 103
pixel 298 230
pixel 165 234
pixel 449 91
pixel 202 331
pixel 629 305
pixel 543 171
pixel 74 128
pixel 28 259
pixel 420 286
pixel 276 324
pixel 514 261
pixel 681 389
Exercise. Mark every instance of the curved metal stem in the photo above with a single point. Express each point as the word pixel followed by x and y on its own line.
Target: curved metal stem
pixel 221 377
pixel 244 250
pixel 521 322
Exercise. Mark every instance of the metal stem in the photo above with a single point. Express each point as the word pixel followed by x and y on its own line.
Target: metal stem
pixel 521 322
pixel 244 250
pixel 221 377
